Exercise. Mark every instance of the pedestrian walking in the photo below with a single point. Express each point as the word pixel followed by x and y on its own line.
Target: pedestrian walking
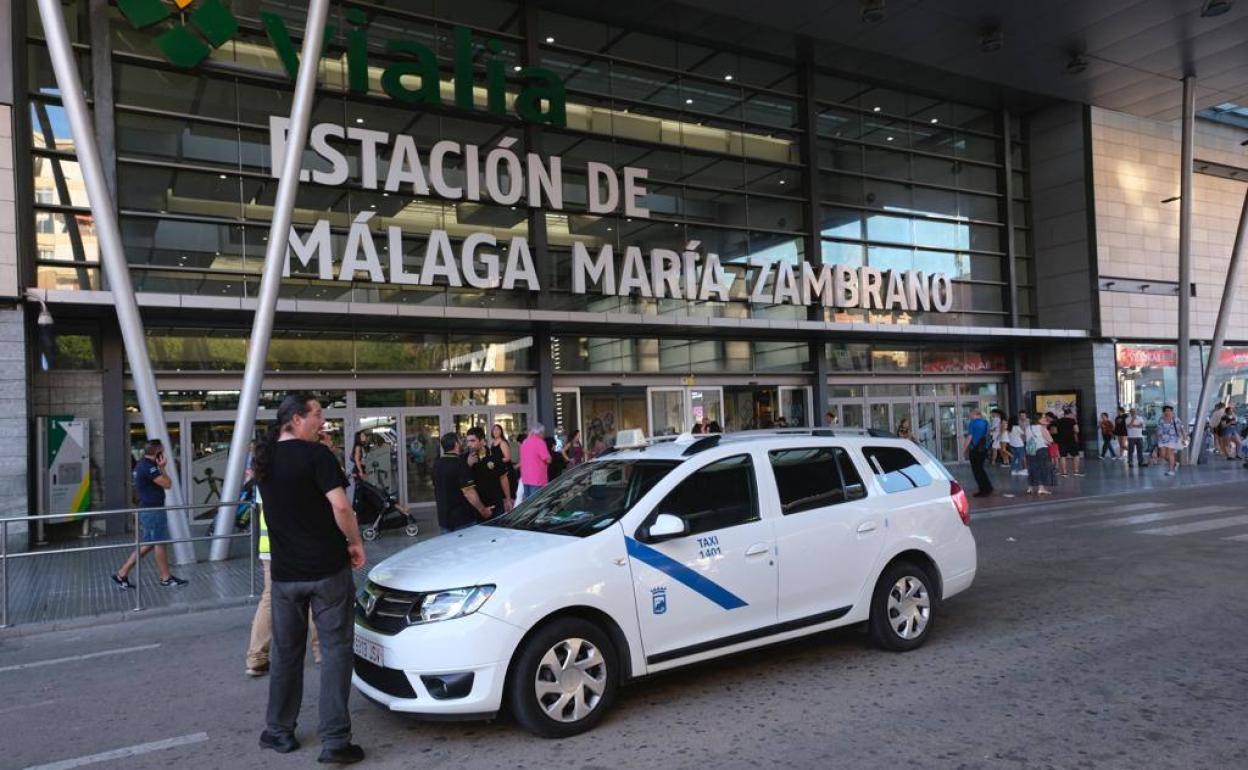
pixel 996 439
pixel 1120 431
pixel 1171 437
pixel 573 451
pixel 557 463
pixel 455 490
pixel 1068 443
pixel 150 483
pixel 315 544
pixel 1228 429
pixel 534 460
pixel 355 466
pixel 1039 462
pixel 1018 443
pixel 976 450
pixel 1135 438
pixel 489 473
pixel 1107 436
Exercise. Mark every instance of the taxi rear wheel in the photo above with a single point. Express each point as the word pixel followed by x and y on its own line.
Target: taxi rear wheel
pixel 563 679
pixel 903 607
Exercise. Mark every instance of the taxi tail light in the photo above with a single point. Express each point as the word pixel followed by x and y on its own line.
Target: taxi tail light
pixel 960 501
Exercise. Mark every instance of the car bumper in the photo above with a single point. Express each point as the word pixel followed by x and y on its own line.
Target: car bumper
pixel 478 647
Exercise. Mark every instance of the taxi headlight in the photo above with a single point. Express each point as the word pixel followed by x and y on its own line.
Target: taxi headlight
pixel 452 603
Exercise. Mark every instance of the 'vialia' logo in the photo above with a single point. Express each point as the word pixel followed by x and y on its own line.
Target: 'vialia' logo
pixel 212 22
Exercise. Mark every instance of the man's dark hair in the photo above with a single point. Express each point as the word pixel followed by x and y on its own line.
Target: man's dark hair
pixel 1068 410
pixel 294 405
pixel 153 448
pixel 477 431
pixel 448 441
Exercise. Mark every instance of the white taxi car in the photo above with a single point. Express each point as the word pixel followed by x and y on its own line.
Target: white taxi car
pixel 652 558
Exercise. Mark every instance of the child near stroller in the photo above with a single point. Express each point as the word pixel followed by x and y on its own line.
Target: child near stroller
pixel 377 509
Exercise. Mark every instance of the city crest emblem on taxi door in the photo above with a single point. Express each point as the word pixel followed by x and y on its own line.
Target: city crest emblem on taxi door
pixel 658 599
pixel 193 34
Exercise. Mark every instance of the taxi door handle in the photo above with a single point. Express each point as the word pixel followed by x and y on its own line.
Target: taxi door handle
pixel 758 549
pixel 865 527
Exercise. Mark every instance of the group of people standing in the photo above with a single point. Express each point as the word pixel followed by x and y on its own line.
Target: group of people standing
pixel 1040 448
pixel 478 479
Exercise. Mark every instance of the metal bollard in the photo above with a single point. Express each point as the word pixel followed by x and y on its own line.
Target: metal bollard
pixel 138 566
pixel 4 568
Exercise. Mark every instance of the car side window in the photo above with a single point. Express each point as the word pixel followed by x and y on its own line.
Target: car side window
pixel 814 477
pixel 717 496
pixel 896 468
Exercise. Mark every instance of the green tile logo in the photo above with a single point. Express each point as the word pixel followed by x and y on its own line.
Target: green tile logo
pixel 184 44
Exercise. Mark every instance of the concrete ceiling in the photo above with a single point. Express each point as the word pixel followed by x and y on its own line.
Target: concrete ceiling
pixel 1137 51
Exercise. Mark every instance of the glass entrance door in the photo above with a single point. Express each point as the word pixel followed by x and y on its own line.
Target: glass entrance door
pixel 675 410
pixel 421 434
pixel 795 406
pixel 379 436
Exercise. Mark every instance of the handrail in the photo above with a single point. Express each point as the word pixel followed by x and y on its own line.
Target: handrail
pixel 137 545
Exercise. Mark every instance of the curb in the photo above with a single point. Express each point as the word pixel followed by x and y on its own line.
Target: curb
pixel 112 618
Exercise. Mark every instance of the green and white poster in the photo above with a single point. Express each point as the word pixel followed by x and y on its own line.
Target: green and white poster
pixel 67 466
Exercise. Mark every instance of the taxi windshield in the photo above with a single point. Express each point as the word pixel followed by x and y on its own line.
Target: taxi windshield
pixel 586 499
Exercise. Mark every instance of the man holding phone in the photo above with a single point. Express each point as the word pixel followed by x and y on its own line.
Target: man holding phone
pixel 150 483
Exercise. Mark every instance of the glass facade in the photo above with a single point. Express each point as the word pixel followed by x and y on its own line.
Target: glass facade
pixel 902 181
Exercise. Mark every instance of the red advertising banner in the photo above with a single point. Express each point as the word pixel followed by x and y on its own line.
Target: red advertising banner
pixel 1233 358
pixel 1138 357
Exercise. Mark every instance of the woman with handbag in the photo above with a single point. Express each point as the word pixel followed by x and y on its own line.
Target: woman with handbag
pixel 1171 438
pixel 1039 464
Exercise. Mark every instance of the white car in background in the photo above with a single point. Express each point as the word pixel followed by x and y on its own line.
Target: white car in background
pixel 657 557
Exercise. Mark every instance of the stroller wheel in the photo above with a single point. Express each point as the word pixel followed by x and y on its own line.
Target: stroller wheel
pixel 369 533
pixel 412 530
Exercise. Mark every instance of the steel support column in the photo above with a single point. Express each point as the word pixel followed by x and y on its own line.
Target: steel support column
pixel 1186 196
pixel 112 254
pixel 812 243
pixel 274 259
pixel 1219 332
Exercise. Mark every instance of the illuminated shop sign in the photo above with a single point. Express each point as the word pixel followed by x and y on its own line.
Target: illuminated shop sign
pixel 467 172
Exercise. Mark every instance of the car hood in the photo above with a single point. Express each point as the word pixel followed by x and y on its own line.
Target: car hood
pixel 472 556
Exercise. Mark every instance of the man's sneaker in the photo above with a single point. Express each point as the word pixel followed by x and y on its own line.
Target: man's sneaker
pixel 122 582
pixel 173 581
pixel 343 755
pixel 257 671
pixel 282 744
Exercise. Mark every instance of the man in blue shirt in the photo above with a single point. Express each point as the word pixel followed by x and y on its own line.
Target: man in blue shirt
pixel 150 483
pixel 978 445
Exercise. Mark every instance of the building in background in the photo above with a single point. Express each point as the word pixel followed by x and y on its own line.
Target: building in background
pixel 900 145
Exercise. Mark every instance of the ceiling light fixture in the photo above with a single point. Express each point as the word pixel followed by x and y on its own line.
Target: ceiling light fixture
pixel 1213 8
pixel 550 40
pixel 516 68
pixel 875 109
pixel 934 121
pixel 359 120
pixel 727 77
pixel 688 101
pixel 991 39
pixel 872 11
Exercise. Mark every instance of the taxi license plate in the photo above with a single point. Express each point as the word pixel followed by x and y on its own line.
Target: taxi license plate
pixel 370 651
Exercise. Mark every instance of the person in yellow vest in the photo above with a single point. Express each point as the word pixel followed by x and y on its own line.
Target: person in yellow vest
pixel 262 623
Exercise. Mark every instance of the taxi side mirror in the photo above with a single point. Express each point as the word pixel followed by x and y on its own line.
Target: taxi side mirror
pixel 666 526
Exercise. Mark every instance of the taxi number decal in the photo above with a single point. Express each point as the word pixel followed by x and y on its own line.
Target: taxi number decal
pixel 708 547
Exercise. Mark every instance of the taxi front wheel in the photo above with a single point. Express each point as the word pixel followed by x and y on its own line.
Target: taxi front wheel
pixel 563 679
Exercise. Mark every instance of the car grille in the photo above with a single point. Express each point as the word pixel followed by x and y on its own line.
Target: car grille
pixel 389 609
pixel 391 681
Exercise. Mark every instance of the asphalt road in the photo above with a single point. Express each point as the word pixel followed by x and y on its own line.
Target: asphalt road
pixel 1097 635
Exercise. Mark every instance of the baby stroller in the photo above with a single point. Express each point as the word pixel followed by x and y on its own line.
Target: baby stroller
pixel 377 509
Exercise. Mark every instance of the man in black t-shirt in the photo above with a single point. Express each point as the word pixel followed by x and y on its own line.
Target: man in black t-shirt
pixel 315 544
pixel 489 475
pixel 1068 442
pixel 454 489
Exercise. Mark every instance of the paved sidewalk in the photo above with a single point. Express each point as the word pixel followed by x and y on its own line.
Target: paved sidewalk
pixel 1102 477
pixel 65 587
